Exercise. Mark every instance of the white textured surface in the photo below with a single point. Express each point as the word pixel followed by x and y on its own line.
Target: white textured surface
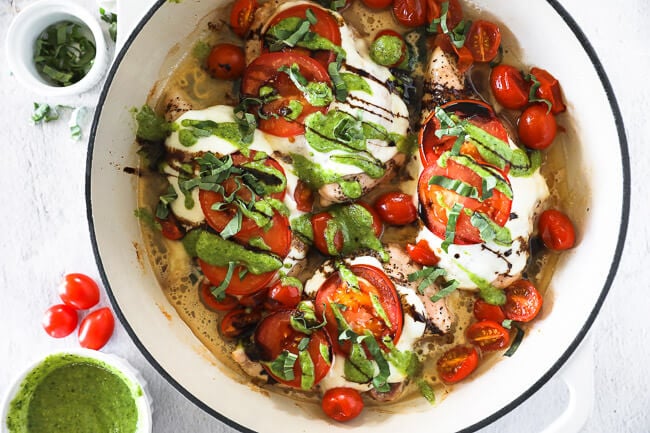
pixel 46 236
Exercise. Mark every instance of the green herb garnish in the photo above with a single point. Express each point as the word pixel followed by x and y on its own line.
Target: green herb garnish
pixel 111 19
pixel 519 336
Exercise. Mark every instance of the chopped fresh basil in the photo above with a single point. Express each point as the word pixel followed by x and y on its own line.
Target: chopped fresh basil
pixel 296 32
pixel 302 345
pixel 379 381
pixel 318 94
pixel 146 217
pixel 324 350
pixel 489 230
pixel 450 230
pixel 341 323
pixel 519 336
pixel 246 122
pixel 358 368
pixel 445 291
pixel 340 86
pixel 348 277
pixel 455 185
pixel 282 366
pixel 151 126
pixel 490 179
pixel 379 309
pixel 162 208
pixel 304 319
pixel 307 378
pixel 45 112
pixel 487 292
pixel 429 275
pixel 426 390
pixel 532 94
pixel 405 361
pixel 111 19
pixel 219 291
pixel 76 119
pixel 507 323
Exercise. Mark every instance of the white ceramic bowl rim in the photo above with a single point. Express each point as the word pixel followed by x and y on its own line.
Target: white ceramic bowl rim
pixel 625 191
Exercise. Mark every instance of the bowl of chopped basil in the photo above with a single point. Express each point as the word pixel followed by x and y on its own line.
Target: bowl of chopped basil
pixel 56 48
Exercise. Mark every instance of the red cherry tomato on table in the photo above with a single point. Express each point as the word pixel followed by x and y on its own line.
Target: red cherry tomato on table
pixel 275 335
pixel 239 321
pixel 342 404
pixel 282 296
pixel 79 291
pixel 549 89
pixel 523 301
pixel 457 363
pixel 483 40
pixel 242 15
pixel 226 61
pixel 96 329
pixel 488 335
pixel 485 311
pixel 396 208
pixel 556 230
pixel 421 253
pixel 60 320
pixel 537 127
pixel 509 87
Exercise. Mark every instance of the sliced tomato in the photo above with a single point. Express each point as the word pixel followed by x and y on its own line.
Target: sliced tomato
pixel 228 302
pixel 421 253
pixel 509 87
pixel 242 15
pixel 282 296
pixel 549 89
pixel 488 335
pixel 274 335
pixel 483 40
pixel 523 301
pixel 457 363
pixel 358 310
pixel 556 230
pixel 476 112
pixel 326 26
pixel 264 71
pixel 304 197
pixel 435 202
pixel 250 283
pixel 485 311
pixel 238 322
pixel 170 227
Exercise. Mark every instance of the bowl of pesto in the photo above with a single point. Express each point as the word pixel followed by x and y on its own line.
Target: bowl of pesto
pixel 77 391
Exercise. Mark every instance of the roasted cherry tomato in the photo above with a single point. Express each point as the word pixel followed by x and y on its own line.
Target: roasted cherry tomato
pixel 282 296
pixel 488 335
pixel 254 300
pixel 60 320
pixel 342 404
pixel 549 89
pixel 250 283
pixel 377 4
pixel 421 253
pixel 435 202
pixel 79 291
pixel 457 363
pixel 410 13
pixel 326 26
pixel 96 329
pixel 454 13
pixel 483 40
pixel 239 321
pixel 274 116
pixel 304 197
pixel 537 127
pixel 396 208
pixel 322 220
pixel 228 302
pixel 382 52
pixel 485 311
pixel 170 227
pixel 476 112
pixel 275 335
pixel 226 61
pixel 509 87
pixel 359 311
pixel 556 230
pixel 523 301
pixel 242 15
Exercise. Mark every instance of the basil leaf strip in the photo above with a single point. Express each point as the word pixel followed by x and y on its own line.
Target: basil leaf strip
pixel 455 185
pixel 489 230
pixel 532 94
pixel 379 382
pixel 348 277
pixel 487 292
pixel 282 366
pixel 446 291
pixel 450 230
pixel 426 390
pixel 379 309
pixel 317 94
pixel 307 378
pixel 519 336
pixel 429 275
pixel 490 179
pixel 219 291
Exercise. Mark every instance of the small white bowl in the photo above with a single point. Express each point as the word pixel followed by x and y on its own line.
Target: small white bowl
pixel 29 24
pixel 131 377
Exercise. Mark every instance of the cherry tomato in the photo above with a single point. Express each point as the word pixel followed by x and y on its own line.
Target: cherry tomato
pixel 485 311
pixel 79 291
pixel 342 404
pixel 304 197
pixel 509 87
pixel 282 296
pixel 170 227
pixel 556 230
pixel 60 320
pixel 396 208
pixel 410 13
pixel 254 300
pixel 476 112
pixel 264 71
pixel 359 311
pixel 377 4
pixel 226 61
pixel 380 55
pixel 537 127
pixel 454 13
pixel 320 222
pixel 212 303
pixel 457 363
pixel 523 301
pixel 483 40
pixel 242 15
pixel 239 321
pixel 275 335
pixel 96 329
pixel 549 89
pixel 250 283
pixel 326 26
pixel 488 335
pixel 421 253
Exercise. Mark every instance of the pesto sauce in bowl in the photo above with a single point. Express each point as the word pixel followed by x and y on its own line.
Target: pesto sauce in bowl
pixel 73 393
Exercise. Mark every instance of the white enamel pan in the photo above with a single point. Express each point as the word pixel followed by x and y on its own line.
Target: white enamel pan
pixel 598 170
